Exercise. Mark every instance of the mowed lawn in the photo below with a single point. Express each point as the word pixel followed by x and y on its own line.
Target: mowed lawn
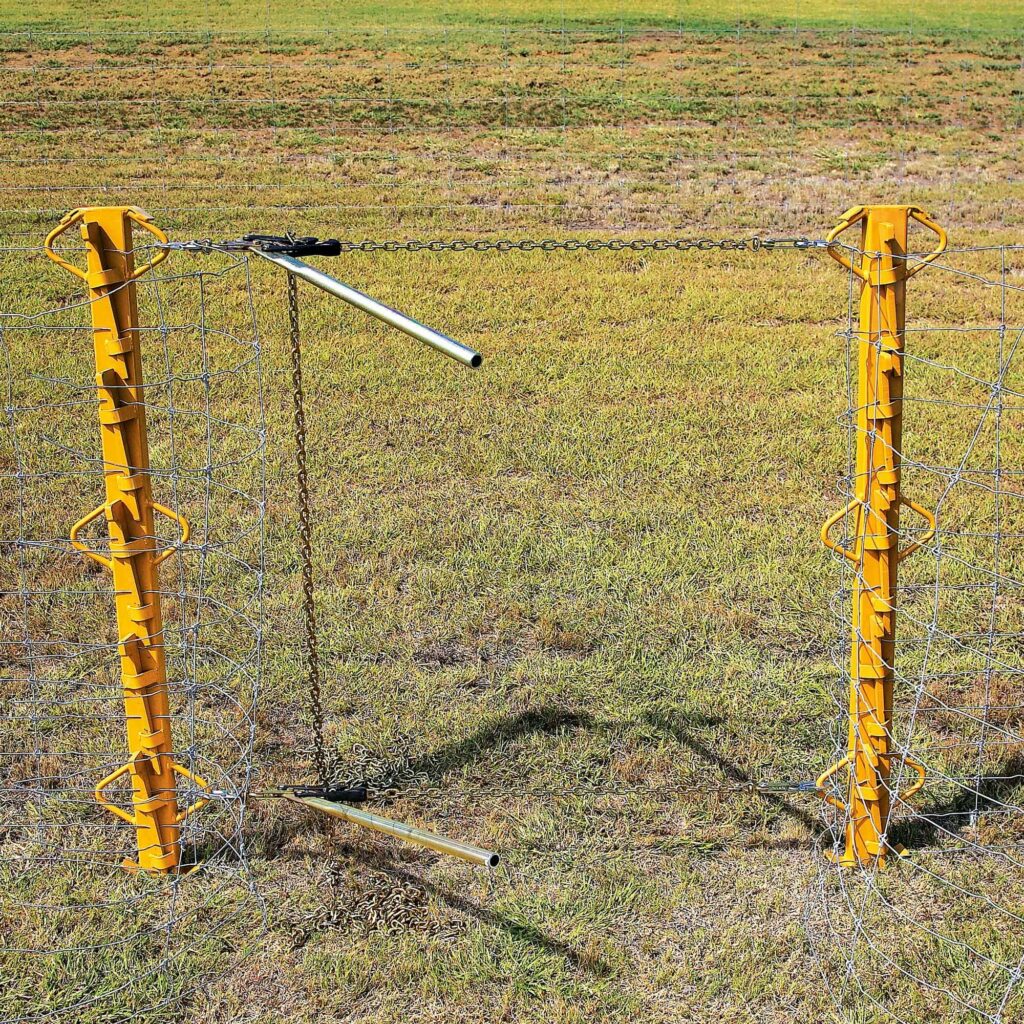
pixel 560 594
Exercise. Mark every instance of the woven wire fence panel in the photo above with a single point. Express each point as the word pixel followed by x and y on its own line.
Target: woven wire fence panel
pixel 82 938
pixel 939 930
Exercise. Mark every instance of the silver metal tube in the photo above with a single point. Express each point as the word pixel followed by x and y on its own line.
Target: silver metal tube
pixel 417 836
pixel 449 346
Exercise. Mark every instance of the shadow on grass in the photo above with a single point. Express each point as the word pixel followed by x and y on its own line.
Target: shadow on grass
pixel 552 721
pixel 680 731
pixel 520 931
pixel 277 830
pixel 951 817
pixel 457 754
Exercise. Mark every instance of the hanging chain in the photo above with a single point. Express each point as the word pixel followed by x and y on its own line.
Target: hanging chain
pixel 310 651
pixel 296 246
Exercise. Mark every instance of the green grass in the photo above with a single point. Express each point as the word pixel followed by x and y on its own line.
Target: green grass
pixel 592 564
pixel 987 16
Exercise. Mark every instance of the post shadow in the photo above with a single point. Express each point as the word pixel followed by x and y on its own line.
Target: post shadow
pixel 671 725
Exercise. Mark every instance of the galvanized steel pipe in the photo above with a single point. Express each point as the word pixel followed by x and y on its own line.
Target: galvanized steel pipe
pixel 417 836
pixel 449 346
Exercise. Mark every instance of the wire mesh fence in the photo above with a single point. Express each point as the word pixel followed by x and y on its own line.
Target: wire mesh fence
pixel 80 933
pixel 517 676
pixel 937 932
pixel 941 921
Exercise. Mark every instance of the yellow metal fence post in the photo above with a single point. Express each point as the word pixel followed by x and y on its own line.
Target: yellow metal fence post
pixel 883 267
pixel 128 509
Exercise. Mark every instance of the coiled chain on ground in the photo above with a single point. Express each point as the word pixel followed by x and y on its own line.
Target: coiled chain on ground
pixel 367 900
pixel 385 776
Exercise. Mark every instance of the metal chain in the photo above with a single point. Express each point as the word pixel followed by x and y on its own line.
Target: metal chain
pixel 368 900
pixel 309 644
pixel 752 244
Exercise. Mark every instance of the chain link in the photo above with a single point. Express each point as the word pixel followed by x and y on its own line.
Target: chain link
pixel 309 640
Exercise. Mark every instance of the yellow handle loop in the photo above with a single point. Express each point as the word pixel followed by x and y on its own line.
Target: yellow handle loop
pixel 921 776
pixel 101 797
pixel 857 213
pixel 67 221
pixel 928 517
pixel 852 216
pixel 196 804
pixel 831 522
pixel 823 779
pixel 139 217
pixel 186 532
pixel 922 218
pixel 84 548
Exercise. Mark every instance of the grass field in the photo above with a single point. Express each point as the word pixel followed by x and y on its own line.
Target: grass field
pixel 593 564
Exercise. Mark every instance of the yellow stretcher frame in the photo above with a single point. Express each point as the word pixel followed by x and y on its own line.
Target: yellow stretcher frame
pixel 128 508
pixel 883 270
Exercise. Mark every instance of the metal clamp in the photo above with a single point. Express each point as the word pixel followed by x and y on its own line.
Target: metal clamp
pixel 284 245
pixel 293 245
pixel 120 812
pixel 78 545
